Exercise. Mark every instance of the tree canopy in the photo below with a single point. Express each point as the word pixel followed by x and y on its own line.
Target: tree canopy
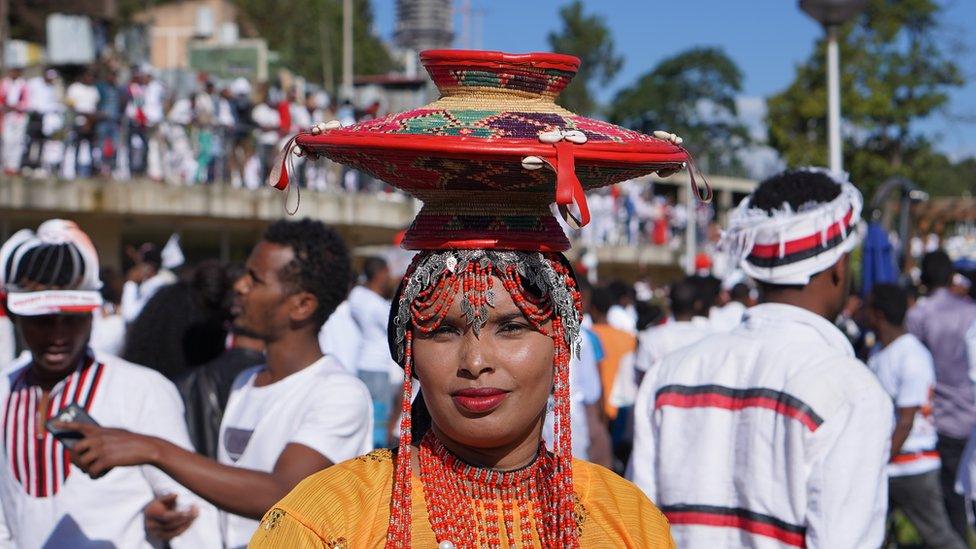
pixel 308 36
pixel 589 38
pixel 692 94
pixel 898 64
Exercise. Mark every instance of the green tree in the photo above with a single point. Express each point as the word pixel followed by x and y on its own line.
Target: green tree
pixel 589 38
pixel 308 36
pixel 693 95
pixel 898 65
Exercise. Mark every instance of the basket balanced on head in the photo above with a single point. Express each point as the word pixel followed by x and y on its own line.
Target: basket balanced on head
pixel 485 319
pixel 490 156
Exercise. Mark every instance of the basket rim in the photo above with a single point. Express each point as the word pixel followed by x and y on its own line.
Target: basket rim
pixel 542 60
pixel 632 153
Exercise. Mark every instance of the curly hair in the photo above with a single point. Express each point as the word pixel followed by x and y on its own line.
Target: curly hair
pixel 184 324
pixel 796 188
pixel 321 265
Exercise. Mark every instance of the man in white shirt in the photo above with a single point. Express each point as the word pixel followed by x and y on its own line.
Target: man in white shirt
pixel 43 106
pixel 688 325
pixel 369 305
pixel 904 368
pixel 296 415
pixel 340 337
pixel 83 97
pixel 13 102
pixel 47 501
pixel 773 435
pixel 728 316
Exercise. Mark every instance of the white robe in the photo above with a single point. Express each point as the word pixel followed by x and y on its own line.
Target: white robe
pixel 773 435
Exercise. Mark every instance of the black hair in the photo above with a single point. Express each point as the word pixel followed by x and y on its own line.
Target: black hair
pixel 684 296
pixel 152 255
pixel 184 325
pixel 619 290
pixel 739 292
pixel 937 269
pixel 648 314
pixel 794 187
pixel 709 288
pixel 321 265
pixel 373 266
pixel 891 301
pixel 601 299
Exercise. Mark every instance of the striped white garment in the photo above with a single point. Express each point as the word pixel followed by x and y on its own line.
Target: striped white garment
pixel 37 460
pixel 48 502
pixel 770 436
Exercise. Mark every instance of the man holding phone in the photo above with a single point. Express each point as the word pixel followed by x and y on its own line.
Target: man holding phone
pixel 293 416
pixel 51 280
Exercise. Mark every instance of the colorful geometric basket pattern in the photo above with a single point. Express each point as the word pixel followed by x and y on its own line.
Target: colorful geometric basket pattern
pixel 496 125
pixel 535 81
pixel 417 171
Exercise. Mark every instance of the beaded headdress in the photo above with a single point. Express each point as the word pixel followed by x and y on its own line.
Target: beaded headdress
pixel 787 246
pixel 61 265
pixel 487 159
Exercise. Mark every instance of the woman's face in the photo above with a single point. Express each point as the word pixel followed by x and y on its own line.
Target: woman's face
pixel 490 390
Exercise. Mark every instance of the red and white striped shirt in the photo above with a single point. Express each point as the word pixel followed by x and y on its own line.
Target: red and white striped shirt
pixel 37 460
pixel 770 436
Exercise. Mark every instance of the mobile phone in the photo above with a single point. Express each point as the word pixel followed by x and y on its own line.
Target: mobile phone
pixel 70 413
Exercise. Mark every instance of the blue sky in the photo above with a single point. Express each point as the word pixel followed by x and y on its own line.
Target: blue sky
pixel 767 38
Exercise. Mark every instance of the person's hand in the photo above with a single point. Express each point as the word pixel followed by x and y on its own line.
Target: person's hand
pixel 101 449
pixel 164 521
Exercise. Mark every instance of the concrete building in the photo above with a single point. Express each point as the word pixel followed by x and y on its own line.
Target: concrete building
pixel 224 222
pixel 424 24
pixel 173 26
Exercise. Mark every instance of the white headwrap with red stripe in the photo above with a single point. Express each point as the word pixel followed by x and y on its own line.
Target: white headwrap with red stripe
pixel 64 243
pixel 787 247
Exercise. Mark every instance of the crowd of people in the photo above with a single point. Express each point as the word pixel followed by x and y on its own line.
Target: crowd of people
pixel 488 395
pixel 99 125
pixel 229 355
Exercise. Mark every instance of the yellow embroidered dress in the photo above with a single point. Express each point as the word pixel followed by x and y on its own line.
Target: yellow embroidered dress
pixel 348 506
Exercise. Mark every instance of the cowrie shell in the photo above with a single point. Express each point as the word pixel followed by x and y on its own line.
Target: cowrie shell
pixel 533 163
pixel 554 136
pixel 575 136
pixel 331 125
pixel 661 134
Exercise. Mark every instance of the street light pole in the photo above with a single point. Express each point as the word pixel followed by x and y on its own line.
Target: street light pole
pixel 833 101
pixel 832 14
pixel 347 49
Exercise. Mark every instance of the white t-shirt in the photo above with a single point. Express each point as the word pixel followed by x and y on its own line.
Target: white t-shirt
pixel 108 332
pixel 83 99
pixel 64 507
pixel 623 318
pixel 371 313
pixel 656 342
pixel 727 317
pixel 585 390
pixel 340 337
pixel 321 407
pixel 905 370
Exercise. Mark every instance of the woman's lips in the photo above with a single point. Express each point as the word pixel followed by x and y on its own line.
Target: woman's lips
pixel 480 400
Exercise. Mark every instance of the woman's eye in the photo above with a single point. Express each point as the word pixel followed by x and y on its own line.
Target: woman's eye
pixel 512 327
pixel 444 330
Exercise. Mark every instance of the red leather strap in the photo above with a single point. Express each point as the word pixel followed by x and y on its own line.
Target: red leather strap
pixel 569 191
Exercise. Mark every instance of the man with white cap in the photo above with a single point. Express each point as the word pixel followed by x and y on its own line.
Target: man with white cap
pixel 773 435
pixel 51 280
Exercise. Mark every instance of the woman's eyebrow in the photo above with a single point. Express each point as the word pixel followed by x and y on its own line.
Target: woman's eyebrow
pixel 508 317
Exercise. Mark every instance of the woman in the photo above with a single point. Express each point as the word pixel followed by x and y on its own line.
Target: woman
pixel 485 319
